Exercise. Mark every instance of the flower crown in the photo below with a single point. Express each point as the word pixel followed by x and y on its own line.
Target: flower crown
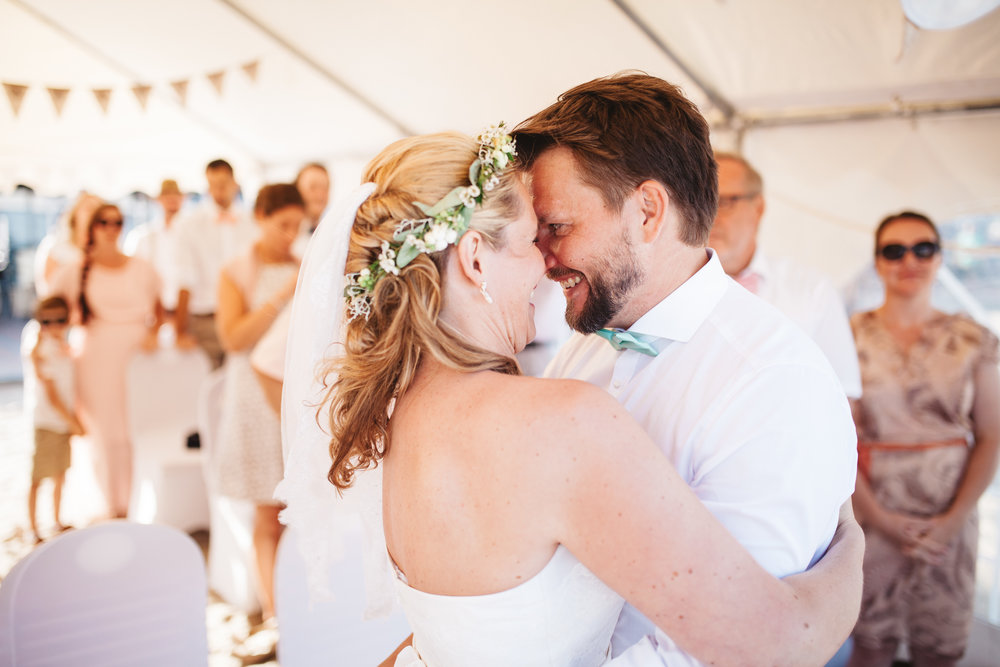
pixel 445 223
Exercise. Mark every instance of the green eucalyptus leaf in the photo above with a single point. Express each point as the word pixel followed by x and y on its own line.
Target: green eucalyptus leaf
pixel 406 254
pixel 466 215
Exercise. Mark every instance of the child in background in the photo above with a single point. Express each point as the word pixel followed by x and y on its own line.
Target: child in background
pixel 53 416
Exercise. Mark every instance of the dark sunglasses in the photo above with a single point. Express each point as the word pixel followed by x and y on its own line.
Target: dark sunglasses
pixel 59 320
pixel 897 251
pixel 110 223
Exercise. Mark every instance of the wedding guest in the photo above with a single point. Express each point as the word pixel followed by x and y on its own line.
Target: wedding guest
pixel 64 245
pixel 49 387
pixel 156 242
pixel 254 288
pixel 313 183
pixel 929 435
pixel 118 308
pixel 804 296
pixel 217 230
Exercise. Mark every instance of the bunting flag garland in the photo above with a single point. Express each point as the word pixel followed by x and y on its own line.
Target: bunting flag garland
pixel 181 88
pixel 215 78
pixel 250 69
pixel 103 97
pixel 58 96
pixel 15 95
pixel 141 92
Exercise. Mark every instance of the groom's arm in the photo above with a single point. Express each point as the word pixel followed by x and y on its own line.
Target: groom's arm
pixel 775 460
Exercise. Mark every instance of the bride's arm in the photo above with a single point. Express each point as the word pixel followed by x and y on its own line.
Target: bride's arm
pixel 631 519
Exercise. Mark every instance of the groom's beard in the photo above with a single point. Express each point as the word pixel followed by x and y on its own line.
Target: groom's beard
pixel 610 288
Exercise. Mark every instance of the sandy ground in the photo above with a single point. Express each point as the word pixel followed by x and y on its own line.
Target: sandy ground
pixel 81 507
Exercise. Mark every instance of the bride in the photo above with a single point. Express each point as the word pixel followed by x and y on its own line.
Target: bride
pixel 518 513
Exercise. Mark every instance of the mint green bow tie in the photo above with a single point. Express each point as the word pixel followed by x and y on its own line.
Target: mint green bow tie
pixel 623 340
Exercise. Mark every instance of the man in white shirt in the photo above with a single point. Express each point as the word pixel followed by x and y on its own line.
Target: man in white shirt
pixel 155 242
pixel 744 404
pixel 804 295
pixel 211 234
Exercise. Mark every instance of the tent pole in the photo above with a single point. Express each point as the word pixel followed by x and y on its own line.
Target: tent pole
pixel 852 114
pixel 400 126
pixel 724 106
pixel 135 77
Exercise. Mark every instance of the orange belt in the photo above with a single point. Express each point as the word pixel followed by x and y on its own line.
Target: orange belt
pixel 865 449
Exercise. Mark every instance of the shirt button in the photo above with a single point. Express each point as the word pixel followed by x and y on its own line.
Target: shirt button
pixel 617 384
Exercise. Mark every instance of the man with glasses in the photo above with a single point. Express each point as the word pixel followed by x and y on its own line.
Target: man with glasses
pixel 623 182
pixel 806 297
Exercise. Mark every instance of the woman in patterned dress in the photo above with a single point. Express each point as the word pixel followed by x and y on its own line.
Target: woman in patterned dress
pixel 253 289
pixel 928 434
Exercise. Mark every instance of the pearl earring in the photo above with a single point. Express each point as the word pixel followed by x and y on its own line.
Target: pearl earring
pixel 486 295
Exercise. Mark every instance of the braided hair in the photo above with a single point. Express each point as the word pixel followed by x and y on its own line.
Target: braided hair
pixel 88 249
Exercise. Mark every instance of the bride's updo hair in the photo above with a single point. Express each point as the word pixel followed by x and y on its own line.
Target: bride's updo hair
pixel 383 351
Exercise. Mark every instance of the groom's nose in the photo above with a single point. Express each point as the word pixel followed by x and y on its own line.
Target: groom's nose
pixel 544 244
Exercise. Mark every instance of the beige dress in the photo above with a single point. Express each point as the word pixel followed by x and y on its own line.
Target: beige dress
pixel 915 433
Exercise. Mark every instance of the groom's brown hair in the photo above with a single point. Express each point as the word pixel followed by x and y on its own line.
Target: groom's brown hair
pixel 628 128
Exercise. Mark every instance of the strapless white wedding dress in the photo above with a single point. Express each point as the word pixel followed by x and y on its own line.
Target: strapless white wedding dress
pixel 564 616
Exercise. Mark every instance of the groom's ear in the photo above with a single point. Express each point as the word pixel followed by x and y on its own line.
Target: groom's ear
pixel 470 254
pixel 654 202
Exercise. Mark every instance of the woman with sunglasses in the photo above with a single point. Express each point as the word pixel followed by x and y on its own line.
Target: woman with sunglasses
pixel 118 307
pixel 928 439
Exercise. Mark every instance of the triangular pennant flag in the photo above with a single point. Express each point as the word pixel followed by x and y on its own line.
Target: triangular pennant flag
pixel 58 96
pixel 215 78
pixel 15 95
pixel 141 92
pixel 103 97
pixel 181 88
pixel 250 69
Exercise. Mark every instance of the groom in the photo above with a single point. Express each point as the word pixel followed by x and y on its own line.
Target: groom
pixel 746 407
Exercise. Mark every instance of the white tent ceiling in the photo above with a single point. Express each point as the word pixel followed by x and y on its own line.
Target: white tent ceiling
pixel 336 81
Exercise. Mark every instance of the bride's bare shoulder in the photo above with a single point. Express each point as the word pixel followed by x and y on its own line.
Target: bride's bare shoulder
pixel 565 403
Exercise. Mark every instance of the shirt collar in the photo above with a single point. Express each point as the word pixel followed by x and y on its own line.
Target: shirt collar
pixel 680 314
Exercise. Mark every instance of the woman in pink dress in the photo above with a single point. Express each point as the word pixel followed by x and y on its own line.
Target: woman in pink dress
pixel 928 439
pixel 119 311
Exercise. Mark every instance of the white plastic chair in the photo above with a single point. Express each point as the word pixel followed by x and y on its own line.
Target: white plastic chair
pixel 230 551
pixel 168 485
pixel 333 631
pixel 118 593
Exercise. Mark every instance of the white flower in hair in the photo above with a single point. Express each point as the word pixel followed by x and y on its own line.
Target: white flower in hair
pixel 439 237
pixel 467 197
pixel 446 221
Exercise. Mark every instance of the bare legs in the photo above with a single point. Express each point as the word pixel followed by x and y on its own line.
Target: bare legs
pixel 56 502
pixel 266 532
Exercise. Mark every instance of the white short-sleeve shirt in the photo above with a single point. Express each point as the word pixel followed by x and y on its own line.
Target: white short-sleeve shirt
pixel 206 238
pixel 156 243
pixel 748 410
